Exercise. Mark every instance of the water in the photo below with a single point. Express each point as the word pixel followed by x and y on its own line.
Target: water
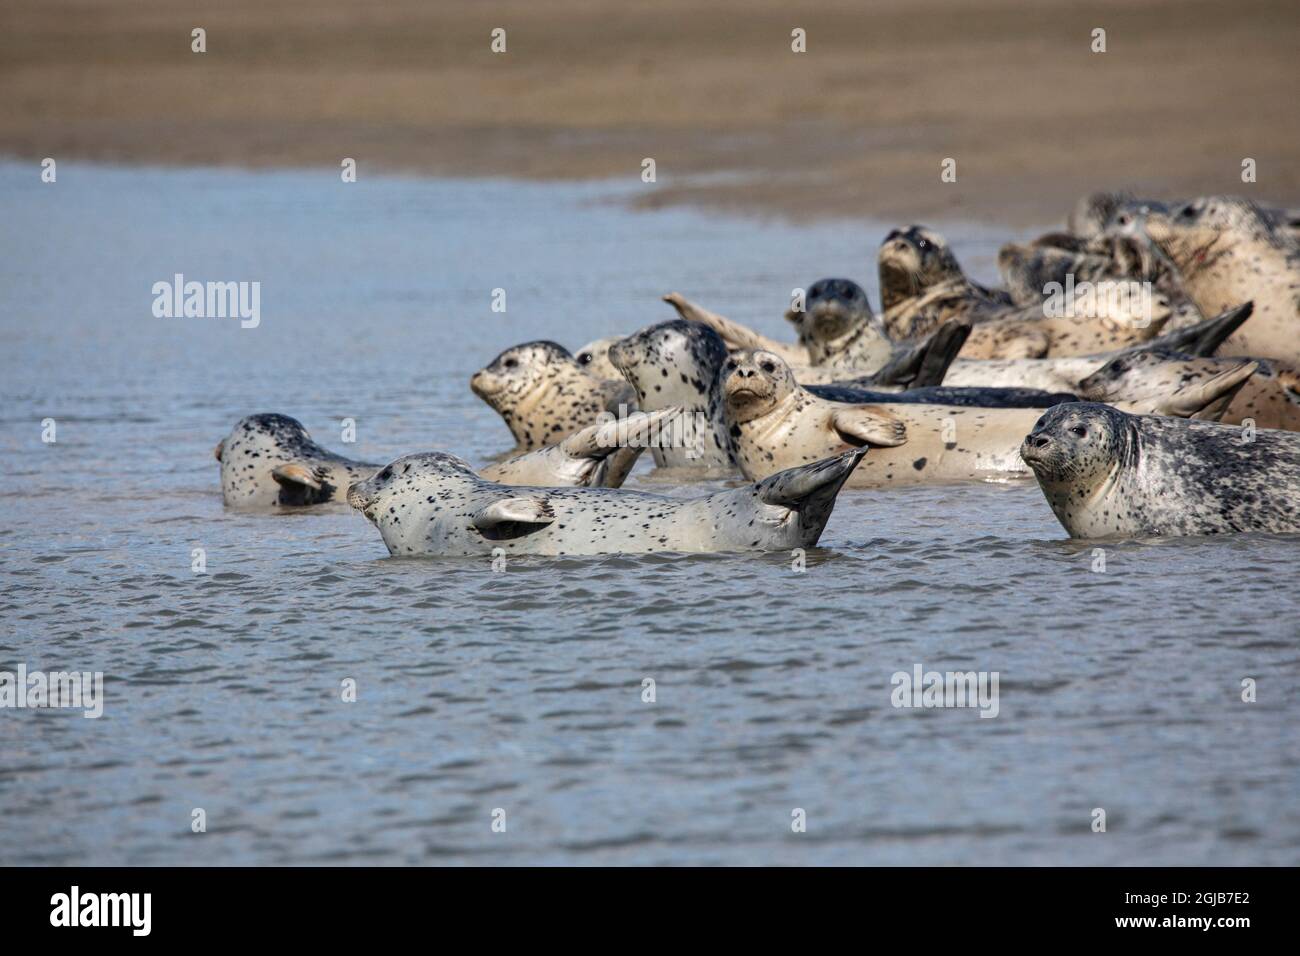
pixel 523 691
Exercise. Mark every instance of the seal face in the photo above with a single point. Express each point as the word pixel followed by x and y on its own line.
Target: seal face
pixel 1106 473
pixel 922 285
pixel 594 359
pixel 269 461
pixel 838 328
pixel 434 504
pixel 543 394
pixel 1228 251
pixel 676 363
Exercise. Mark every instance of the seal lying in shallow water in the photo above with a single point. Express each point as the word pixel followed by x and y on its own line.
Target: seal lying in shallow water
pixel 776 423
pixel 1109 474
pixel 543 394
pixel 1227 251
pixel 1270 397
pixel 270 461
pixel 434 504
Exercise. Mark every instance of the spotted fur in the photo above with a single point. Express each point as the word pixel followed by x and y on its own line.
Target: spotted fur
pixel 1107 474
pixel 1228 251
pixel 434 504
pixel 543 395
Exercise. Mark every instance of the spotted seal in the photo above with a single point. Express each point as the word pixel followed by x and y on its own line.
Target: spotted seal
pixel 775 423
pixel 1270 397
pixel 922 285
pixel 1227 251
pixel 1106 474
pixel 543 394
pixel 434 504
pixel 270 461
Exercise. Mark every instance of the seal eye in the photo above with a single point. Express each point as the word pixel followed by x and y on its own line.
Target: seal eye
pixel 1080 431
pixel 1187 212
pixel 768 367
pixel 385 474
pixel 731 365
pixel 584 358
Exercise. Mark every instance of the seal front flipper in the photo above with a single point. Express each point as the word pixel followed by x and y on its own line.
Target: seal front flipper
pixel 301 485
pixel 513 517
pixel 868 426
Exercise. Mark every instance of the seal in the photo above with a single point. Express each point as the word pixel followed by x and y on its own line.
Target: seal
pixel 1227 251
pixel 838 331
pixel 1107 474
pixel 922 285
pixel 594 359
pixel 543 394
pixel 270 461
pixel 675 364
pixel 776 423
pixel 1270 397
pixel 434 504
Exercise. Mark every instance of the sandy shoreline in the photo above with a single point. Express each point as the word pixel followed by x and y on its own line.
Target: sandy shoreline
pixel 856 126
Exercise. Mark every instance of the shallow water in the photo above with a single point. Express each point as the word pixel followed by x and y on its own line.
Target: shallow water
pixel 523 690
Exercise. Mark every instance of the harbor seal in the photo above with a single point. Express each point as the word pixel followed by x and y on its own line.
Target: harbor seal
pixel 675 364
pixel 775 423
pixel 543 394
pixel 922 285
pixel 1227 251
pixel 270 461
pixel 1270 397
pixel 1106 474
pixel 434 504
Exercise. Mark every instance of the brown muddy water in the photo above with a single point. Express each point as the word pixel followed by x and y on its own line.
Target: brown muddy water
pixel 522 691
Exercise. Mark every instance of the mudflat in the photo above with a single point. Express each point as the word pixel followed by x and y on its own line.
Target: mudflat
pixel 859 124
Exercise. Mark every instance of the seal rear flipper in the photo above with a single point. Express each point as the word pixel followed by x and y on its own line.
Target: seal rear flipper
pixel 810 490
pixel 1208 400
pixel 1204 338
pixel 302 485
pixel 735 335
pixel 513 517
pixel 597 441
pixel 868 426
pixel 938 351
pixel 219 449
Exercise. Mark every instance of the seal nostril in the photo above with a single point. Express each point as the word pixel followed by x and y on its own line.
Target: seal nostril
pixel 1042 441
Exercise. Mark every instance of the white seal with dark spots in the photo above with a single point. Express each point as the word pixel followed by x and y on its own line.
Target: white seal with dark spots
pixel 544 395
pixel 1106 474
pixel 434 504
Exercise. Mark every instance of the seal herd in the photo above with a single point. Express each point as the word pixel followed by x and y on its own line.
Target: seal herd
pixel 1143 366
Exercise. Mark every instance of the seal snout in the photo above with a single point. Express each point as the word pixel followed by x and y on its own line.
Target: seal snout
pixel 361 495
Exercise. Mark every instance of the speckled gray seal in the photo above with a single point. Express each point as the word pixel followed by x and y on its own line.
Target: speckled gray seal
pixel 1229 251
pixel 922 285
pixel 676 363
pixel 1109 474
pixel 594 359
pixel 1270 397
pixel 544 395
pixel 434 504
pixel 269 461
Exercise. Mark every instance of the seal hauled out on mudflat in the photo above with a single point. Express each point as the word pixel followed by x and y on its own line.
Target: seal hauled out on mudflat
pixel 1109 474
pixel 543 394
pixel 270 461
pixel 1227 251
pixel 434 504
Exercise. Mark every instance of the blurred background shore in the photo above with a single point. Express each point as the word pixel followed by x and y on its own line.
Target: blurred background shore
pixel 858 125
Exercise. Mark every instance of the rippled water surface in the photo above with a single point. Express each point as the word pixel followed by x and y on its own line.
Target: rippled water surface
pixel 523 690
